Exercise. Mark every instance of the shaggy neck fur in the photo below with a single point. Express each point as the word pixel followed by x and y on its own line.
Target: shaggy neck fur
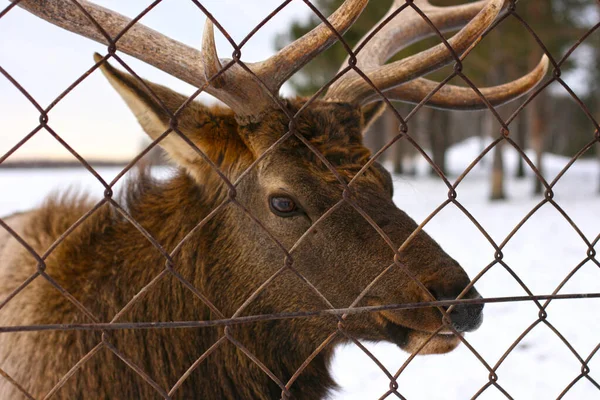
pixel 106 261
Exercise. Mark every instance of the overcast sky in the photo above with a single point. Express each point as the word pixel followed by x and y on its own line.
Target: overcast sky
pixel 46 59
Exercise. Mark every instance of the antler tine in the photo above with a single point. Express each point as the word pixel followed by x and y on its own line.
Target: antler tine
pixel 282 65
pixel 400 80
pixel 452 97
pixel 210 58
pixel 408 27
pixel 235 87
pixel 140 41
pixel 354 88
pixel 249 99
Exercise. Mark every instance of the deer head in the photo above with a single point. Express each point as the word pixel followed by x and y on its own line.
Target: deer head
pixel 299 166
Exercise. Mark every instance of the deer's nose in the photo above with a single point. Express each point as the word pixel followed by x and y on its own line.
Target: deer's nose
pixel 464 317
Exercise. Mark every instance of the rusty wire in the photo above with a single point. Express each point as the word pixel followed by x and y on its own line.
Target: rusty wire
pixel 170 269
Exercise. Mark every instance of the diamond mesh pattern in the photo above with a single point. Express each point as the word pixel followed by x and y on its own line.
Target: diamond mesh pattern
pixel 170 268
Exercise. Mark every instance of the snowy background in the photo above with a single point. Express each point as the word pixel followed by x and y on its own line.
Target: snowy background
pixel 542 253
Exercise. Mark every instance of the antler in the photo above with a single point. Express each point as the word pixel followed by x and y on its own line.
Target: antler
pixel 401 80
pixel 235 86
pixel 228 81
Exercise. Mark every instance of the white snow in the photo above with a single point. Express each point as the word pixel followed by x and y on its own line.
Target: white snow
pixel 542 253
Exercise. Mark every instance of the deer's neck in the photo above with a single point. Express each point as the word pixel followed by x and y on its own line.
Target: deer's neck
pixel 206 259
pixel 106 262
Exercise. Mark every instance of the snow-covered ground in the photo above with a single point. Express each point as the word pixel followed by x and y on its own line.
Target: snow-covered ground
pixel 542 253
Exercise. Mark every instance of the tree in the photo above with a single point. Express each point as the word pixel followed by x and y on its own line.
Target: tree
pixel 556 24
pixel 593 83
pixel 511 55
pixel 439 142
pixel 520 140
pixel 324 67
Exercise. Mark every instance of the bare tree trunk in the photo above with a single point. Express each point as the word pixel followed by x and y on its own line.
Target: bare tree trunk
pixel 420 133
pixel 521 142
pixel 497 74
pixel 439 139
pixel 497 174
pixel 481 126
pixel 598 152
pixel 536 116
pixel 521 123
pixel 498 192
pixel 536 134
pixel 597 145
pixel 396 152
pixel 425 125
pixel 397 158
pixel 375 137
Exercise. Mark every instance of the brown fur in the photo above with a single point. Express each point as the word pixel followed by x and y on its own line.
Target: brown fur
pixel 106 261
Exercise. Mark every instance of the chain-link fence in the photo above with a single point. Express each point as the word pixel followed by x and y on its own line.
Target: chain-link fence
pixel 87 19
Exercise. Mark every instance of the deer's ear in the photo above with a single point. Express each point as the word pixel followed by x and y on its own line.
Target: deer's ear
pixel 370 113
pixel 213 130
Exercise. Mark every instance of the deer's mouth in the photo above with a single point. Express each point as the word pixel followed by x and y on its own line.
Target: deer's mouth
pixel 413 340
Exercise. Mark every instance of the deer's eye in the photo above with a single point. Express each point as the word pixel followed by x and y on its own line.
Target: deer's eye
pixel 283 206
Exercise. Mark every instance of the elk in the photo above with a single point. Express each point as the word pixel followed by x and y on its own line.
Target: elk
pixel 303 221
